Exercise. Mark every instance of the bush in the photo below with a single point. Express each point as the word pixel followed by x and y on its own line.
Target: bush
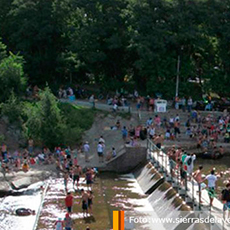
pixel 78 120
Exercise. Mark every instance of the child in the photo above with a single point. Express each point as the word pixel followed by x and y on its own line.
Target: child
pixel 59 224
pixel 114 154
pixel 68 222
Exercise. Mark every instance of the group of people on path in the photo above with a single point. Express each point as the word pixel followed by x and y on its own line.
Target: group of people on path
pixel 74 177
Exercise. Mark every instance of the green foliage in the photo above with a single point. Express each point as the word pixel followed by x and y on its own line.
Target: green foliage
pixel 45 122
pixel 78 120
pixel 109 41
pixel 2 51
pixel 12 109
pixel 11 76
pixel 52 123
pixel 2 138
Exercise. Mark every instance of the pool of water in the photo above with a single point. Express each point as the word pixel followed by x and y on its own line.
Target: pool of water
pixel 221 165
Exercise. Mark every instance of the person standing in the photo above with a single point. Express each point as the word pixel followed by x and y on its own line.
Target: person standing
pixel 102 140
pixel 69 202
pixel 183 104
pixel 225 197
pixel 66 178
pixel 176 128
pixel 68 222
pixel 100 149
pixel 198 178
pixel 190 103
pixel 92 100
pixel 90 202
pixel 59 224
pixel 211 178
pixel 124 133
pixel 86 149
pixel 77 171
pixel 189 161
pixel 84 198
pixel 89 178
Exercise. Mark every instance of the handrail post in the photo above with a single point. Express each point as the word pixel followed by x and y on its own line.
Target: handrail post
pixel 199 189
pixel 192 192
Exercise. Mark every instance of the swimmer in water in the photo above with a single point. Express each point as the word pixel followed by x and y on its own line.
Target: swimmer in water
pixel 25 212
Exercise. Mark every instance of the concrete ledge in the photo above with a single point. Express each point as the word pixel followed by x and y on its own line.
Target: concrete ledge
pixel 127 160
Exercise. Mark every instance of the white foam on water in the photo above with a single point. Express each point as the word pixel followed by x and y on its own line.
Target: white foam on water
pixel 8 206
pixel 141 206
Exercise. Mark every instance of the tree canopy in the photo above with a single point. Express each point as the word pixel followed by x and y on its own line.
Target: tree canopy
pixel 120 43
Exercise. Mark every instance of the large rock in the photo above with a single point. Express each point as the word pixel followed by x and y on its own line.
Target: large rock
pixel 5 188
pixel 21 183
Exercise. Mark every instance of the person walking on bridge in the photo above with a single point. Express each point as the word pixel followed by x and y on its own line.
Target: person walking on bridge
pixel 211 178
pixel 197 175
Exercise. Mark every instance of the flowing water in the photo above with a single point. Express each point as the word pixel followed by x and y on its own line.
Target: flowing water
pixel 31 199
pixel 141 194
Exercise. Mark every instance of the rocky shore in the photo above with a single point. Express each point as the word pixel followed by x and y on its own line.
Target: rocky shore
pixel 11 183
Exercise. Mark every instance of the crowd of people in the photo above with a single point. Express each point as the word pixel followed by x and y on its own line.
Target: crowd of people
pixel 182 167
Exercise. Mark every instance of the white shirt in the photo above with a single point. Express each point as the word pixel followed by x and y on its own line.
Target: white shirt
pixel 211 180
pixel 102 140
pixel 191 166
pixel 152 131
pixel 99 148
pixel 190 101
pixel 177 118
pixel 171 120
pixel 86 147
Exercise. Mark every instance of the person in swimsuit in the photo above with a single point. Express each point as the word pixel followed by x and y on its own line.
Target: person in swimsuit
pixel 90 202
pixel 84 198
pixel 197 175
pixel 25 212
pixel 77 171
pixel 89 178
pixel 66 177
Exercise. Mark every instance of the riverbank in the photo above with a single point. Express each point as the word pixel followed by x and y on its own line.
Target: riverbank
pixel 13 181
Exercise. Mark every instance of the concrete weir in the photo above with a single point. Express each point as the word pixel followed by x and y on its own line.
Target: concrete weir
pixel 164 200
pixel 168 208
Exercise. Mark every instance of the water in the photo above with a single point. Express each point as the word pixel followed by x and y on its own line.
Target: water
pixel 221 165
pixel 8 205
pixel 148 178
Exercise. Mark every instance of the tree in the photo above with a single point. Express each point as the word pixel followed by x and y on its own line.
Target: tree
pixel 12 108
pixel 45 122
pixel 12 77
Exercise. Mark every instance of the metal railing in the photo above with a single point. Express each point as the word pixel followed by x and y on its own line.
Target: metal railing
pixel 175 174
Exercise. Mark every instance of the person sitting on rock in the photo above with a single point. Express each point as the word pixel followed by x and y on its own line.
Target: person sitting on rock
pixel 25 167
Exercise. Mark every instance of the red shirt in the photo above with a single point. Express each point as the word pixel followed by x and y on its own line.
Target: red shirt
pixel 69 201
